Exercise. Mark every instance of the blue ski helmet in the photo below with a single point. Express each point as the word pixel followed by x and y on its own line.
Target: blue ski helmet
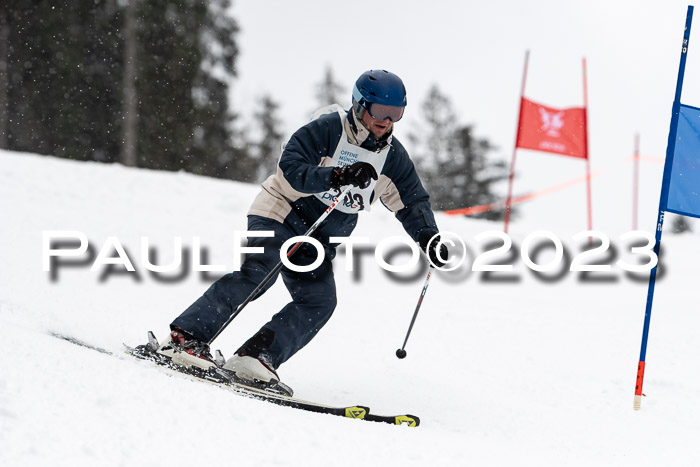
pixel 382 88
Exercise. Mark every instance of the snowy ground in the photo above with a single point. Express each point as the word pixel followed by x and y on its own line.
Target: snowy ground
pixel 524 371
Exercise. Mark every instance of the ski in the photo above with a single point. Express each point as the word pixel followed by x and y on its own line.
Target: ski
pixel 224 381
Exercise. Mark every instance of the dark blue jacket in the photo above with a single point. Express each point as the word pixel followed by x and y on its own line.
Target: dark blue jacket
pixel 302 171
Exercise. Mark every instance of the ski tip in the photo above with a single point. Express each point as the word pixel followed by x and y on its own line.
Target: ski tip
pixel 361 412
pixel 409 420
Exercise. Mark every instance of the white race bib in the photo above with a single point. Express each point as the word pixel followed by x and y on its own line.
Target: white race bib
pixel 347 154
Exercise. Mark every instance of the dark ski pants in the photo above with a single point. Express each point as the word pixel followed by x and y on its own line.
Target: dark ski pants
pixel 313 293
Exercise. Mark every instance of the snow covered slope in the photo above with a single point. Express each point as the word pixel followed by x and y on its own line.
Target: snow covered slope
pixel 517 371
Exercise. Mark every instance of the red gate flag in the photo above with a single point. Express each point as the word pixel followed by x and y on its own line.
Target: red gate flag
pixel 561 131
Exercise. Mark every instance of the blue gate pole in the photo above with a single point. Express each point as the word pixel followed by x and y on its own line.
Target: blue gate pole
pixel 670 148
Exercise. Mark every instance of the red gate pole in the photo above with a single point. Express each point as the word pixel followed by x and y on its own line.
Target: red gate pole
pixel 515 146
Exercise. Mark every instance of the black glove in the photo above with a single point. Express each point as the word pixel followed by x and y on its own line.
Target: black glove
pixel 359 174
pixel 432 250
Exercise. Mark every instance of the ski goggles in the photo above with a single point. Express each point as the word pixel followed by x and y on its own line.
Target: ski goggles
pixel 382 112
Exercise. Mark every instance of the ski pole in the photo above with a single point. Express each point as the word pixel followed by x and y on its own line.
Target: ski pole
pixel 279 265
pixel 401 353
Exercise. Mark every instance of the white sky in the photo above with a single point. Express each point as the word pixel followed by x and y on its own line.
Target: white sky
pixel 475 52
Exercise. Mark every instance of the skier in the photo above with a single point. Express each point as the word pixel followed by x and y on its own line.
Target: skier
pixel 341 148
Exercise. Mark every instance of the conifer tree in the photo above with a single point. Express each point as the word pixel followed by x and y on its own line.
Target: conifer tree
pixel 329 91
pixel 269 146
pixel 67 83
pixel 455 165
